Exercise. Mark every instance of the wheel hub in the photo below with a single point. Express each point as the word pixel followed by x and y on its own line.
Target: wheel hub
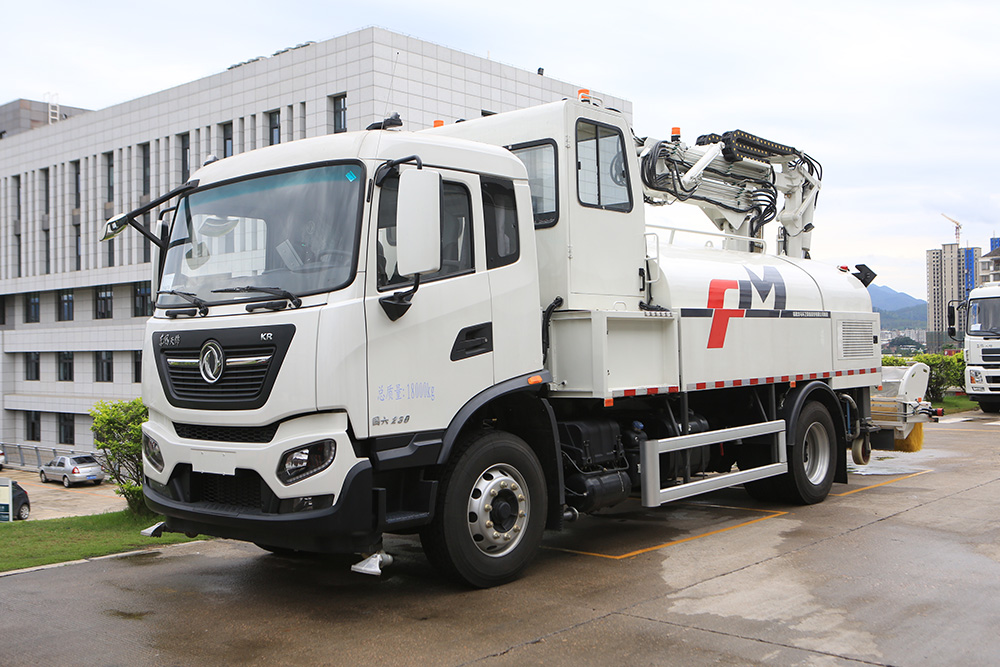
pixel 499 509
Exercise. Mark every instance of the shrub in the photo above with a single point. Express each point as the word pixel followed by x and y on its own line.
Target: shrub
pixel 946 371
pixel 890 360
pixel 118 434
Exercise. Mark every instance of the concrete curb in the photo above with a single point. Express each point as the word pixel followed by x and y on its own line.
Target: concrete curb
pixel 124 554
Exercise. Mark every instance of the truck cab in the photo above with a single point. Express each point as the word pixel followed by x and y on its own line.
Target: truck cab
pixel 982 347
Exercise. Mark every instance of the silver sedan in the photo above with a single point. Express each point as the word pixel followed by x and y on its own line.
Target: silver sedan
pixel 72 470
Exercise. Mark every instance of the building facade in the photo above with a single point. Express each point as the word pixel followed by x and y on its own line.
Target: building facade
pixel 952 272
pixel 72 310
pixel 989 264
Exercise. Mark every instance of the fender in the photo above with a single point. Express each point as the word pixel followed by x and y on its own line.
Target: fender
pixel 818 391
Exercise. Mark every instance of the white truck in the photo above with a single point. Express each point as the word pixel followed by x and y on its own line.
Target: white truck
pixel 469 332
pixel 982 345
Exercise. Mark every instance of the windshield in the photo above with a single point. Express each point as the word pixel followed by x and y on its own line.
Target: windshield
pixel 296 231
pixel 984 316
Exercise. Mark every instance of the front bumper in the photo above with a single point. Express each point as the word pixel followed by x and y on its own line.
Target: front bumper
pixel 348 526
pixel 230 488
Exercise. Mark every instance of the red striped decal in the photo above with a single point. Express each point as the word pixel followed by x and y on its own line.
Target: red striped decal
pixel 850 372
pixel 826 375
pixel 630 392
pixel 701 385
pixel 769 380
pixel 653 391
pixel 785 378
pixel 839 373
pixel 737 383
pixel 812 376
pixel 719 384
pixel 674 390
pixel 874 370
pixel 754 381
pixel 800 378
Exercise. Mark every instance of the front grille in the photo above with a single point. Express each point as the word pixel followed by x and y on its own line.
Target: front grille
pixel 239 492
pixel 226 433
pixel 856 339
pixel 245 371
pixel 993 379
pixel 991 354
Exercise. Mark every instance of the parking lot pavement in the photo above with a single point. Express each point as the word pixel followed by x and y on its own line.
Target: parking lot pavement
pixel 899 567
pixel 52 501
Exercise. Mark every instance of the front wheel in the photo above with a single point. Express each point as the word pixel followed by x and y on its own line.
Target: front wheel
pixel 990 408
pixel 491 511
pixel 812 458
pixel 41 476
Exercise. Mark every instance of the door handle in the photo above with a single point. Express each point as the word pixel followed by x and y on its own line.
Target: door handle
pixel 473 341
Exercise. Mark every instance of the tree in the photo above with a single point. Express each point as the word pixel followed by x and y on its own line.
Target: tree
pixel 117 431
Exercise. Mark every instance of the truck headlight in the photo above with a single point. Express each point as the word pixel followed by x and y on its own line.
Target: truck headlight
pixel 151 450
pixel 305 461
pixel 976 376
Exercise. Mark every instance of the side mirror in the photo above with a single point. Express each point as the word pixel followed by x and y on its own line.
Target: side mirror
pixel 951 332
pixel 418 222
pixel 951 320
pixel 115 226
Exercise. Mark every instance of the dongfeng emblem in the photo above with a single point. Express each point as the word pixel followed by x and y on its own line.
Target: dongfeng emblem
pixel 211 362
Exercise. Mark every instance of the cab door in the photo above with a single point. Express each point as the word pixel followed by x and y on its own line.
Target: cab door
pixel 424 366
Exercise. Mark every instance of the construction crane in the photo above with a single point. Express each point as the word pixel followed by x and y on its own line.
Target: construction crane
pixel 958 229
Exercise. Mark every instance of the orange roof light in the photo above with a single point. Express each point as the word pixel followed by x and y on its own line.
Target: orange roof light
pixel 439 123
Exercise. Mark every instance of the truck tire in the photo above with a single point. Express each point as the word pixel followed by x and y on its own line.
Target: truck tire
pixel 491 511
pixel 989 407
pixel 812 457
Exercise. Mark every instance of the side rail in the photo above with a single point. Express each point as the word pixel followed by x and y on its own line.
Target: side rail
pixel 654 496
pixel 34 457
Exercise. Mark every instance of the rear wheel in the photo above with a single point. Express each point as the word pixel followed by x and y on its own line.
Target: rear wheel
pixel 23 511
pixel 491 511
pixel 811 458
pixel 66 482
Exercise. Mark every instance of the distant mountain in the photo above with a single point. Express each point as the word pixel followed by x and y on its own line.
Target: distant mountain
pixel 886 299
pixel 914 317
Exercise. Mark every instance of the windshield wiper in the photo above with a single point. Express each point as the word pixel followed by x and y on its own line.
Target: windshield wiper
pixel 274 291
pixel 187 296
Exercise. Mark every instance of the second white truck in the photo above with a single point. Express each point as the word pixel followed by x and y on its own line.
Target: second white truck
pixel 982 345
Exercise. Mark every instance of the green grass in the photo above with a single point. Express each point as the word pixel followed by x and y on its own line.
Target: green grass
pixel 33 543
pixel 956 404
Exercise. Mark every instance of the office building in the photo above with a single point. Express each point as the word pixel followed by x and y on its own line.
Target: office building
pixel 951 275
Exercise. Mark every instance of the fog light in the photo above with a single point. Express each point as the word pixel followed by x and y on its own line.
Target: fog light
pixel 151 450
pixel 297 464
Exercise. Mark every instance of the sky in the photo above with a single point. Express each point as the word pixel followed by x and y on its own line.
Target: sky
pixel 897 99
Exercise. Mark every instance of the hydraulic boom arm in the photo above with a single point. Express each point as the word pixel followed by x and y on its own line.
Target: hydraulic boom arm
pixel 735 178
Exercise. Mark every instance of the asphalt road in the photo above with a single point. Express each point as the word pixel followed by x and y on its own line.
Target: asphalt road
pixel 900 567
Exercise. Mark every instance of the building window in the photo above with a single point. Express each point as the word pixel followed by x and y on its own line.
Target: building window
pixel 33 425
pixel 227 139
pixel 17 255
pixel 274 128
pixel 64 305
pixel 76 184
pixel 110 244
pixel 32 307
pixel 47 250
pixel 185 157
pixel 142 303
pixel 46 192
pixel 103 302
pixel 79 253
pixel 146 247
pixel 136 365
pixel 67 429
pixel 109 166
pixel 32 362
pixel 338 111
pixel 16 185
pixel 147 172
pixel 3 309
pixel 65 366
pixel 104 366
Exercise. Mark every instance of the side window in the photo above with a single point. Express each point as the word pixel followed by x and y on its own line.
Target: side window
pixel 500 217
pixel 456 235
pixel 602 175
pixel 539 159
